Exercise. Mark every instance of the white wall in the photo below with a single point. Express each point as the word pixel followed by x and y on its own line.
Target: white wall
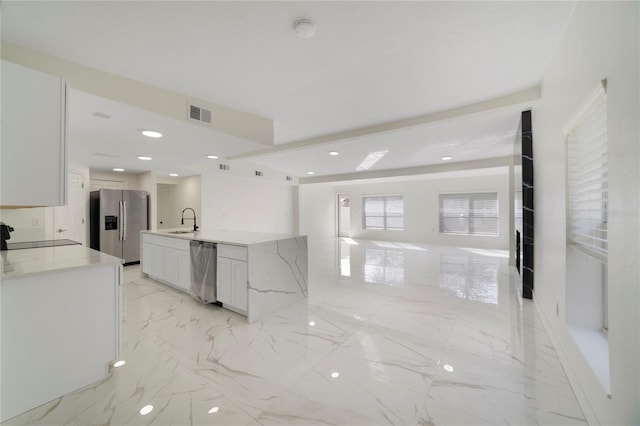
pixel 421 209
pixel 317 210
pixel 128 180
pixel 174 197
pixel 37 224
pixel 248 205
pixel 600 41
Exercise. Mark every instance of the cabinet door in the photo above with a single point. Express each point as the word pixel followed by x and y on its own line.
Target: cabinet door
pixel 184 270
pixel 157 261
pixel 224 280
pixel 146 259
pixel 34 161
pixel 239 285
pixel 171 265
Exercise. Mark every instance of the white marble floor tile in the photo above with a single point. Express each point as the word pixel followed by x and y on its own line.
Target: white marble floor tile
pixel 369 346
pixel 370 379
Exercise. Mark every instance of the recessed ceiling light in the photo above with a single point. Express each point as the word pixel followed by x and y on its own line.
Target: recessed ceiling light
pixel 311 173
pixel 312 323
pixel 119 363
pixel 143 157
pixel 448 368
pixel 102 115
pixel 447 158
pixel 152 134
pixel 213 157
pixel 118 170
pixel 214 410
pixel 304 28
pixel 334 153
pixel 146 410
pixel 173 174
pixel 335 374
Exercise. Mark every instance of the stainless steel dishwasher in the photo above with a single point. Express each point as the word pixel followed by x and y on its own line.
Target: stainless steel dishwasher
pixel 203 271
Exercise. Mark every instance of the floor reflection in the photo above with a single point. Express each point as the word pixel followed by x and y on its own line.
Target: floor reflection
pixel 383 267
pixel 470 278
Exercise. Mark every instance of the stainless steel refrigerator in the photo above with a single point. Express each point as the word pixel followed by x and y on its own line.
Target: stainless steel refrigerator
pixel 116 219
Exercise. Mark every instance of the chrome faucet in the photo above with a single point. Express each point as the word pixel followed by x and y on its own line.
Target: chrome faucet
pixel 195 226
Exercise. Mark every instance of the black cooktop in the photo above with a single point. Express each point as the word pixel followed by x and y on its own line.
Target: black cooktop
pixel 38 244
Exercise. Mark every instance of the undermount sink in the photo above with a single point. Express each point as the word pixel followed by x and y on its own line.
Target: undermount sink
pixel 180 232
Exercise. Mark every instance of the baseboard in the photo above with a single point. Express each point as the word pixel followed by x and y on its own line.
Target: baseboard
pixel 581 396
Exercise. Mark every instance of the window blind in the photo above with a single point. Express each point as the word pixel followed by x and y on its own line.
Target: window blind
pixel 471 213
pixel 587 181
pixel 384 212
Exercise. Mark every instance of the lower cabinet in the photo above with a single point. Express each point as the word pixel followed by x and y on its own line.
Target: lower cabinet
pixel 167 259
pixel 183 280
pixel 231 277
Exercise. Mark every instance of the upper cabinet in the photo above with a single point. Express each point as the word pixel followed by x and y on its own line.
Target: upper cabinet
pixel 33 146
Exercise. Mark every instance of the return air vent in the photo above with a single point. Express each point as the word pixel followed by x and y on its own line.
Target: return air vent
pixel 224 167
pixel 258 173
pixel 199 114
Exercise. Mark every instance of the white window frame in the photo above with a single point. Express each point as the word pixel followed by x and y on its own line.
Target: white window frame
pixel 469 196
pixel 385 215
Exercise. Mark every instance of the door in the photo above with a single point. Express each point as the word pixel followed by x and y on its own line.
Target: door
pixel 69 220
pixel 135 220
pixel 110 222
pixel 344 215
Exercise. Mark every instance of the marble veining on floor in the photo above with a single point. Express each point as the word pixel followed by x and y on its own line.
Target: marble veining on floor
pixel 391 333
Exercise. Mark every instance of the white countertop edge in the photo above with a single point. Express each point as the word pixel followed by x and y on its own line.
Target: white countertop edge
pixel 44 260
pixel 220 236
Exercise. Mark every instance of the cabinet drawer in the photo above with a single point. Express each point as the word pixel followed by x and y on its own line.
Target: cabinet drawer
pixel 232 252
pixel 152 239
pixel 182 245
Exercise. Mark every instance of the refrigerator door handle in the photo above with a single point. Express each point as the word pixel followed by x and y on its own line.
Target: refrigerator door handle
pixel 124 220
pixel 120 219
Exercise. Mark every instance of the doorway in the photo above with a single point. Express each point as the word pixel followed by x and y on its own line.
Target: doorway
pixel 344 215
pixel 69 220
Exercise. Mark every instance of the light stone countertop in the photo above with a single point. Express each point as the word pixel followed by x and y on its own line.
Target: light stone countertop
pixel 240 238
pixel 20 263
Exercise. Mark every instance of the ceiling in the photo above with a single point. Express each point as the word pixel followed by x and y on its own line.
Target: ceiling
pixel 368 63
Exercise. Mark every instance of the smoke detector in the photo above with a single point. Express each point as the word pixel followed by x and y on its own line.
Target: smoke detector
pixel 304 28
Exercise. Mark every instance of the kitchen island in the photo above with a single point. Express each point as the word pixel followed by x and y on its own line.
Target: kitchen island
pixel 257 273
pixel 61 323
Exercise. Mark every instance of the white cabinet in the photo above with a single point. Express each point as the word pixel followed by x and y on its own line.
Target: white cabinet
pixel 157 262
pixel 146 258
pixel 223 281
pixel 167 259
pixel 184 270
pixel 34 156
pixel 231 277
pixel 171 265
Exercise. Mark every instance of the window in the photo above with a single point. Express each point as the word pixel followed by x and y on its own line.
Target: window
pixel 587 189
pixel 587 215
pixel 383 212
pixel 473 213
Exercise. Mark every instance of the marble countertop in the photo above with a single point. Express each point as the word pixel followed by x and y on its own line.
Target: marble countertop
pixel 240 238
pixel 20 263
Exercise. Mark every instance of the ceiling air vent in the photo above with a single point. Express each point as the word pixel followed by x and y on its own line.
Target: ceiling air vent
pixel 199 114
pixel 289 178
pixel 224 167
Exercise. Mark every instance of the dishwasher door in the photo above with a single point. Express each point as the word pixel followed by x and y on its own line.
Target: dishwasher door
pixel 203 271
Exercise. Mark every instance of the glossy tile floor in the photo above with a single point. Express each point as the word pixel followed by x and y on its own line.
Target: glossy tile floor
pixel 391 333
